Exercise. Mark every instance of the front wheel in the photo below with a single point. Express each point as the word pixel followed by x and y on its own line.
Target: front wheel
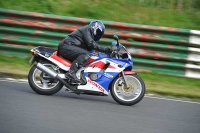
pixel 131 95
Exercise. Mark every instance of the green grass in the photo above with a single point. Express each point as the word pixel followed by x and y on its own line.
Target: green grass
pixel 158 13
pixel 171 85
pixel 14 66
pixel 155 83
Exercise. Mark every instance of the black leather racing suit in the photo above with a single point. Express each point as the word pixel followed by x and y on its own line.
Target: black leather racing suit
pixel 76 45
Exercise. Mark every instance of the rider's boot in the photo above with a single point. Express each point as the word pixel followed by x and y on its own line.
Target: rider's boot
pixel 76 65
pixel 71 75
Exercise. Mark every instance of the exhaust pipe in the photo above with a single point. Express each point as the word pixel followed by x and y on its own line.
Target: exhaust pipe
pixel 46 70
pixel 55 75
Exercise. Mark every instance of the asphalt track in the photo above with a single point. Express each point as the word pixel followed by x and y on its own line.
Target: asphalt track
pixel 24 111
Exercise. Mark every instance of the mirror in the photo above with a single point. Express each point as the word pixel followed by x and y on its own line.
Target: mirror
pixel 115 37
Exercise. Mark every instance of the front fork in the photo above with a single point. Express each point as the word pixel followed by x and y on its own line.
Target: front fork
pixel 126 84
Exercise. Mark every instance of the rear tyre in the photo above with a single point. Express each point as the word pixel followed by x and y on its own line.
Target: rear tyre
pixel 128 96
pixel 43 84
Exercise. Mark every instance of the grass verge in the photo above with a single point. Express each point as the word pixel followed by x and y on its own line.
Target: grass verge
pixel 155 83
pixel 158 13
pixel 171 85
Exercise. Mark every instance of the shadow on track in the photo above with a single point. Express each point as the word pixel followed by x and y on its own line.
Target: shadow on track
pixel 73 96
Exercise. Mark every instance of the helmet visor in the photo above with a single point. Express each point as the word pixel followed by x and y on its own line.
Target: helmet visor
pixel 99 33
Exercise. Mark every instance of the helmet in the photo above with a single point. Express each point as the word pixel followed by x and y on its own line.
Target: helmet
pixel 98 29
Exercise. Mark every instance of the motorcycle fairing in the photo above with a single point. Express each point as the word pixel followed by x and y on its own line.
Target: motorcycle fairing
pixel 99 60
pixel 61 60
pixel 45 51
pixel 51 55
pixel 107 76
pixel 93 86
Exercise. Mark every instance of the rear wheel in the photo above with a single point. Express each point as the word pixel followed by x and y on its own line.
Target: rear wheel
pixel 43 84
pixel 131 95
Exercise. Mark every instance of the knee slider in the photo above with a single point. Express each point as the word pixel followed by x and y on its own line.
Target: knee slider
pixel 82 59
pixel 86 57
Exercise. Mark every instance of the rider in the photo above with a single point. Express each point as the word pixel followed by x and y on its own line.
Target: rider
pixel 76 45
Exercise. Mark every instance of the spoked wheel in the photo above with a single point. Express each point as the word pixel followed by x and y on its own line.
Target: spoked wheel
pixel 128 95
pixel 43 84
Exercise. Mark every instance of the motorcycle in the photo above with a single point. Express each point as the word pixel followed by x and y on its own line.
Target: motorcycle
pixel 102 75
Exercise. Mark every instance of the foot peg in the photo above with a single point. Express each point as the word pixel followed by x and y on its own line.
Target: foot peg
pixel 73 80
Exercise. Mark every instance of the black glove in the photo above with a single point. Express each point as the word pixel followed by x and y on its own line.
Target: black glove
pixel 108 50
pixel 114 54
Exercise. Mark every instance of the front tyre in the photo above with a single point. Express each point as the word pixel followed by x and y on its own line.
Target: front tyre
pixel 131 95
pixel 43 84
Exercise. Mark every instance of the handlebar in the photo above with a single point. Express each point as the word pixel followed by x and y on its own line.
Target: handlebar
pixel 115 54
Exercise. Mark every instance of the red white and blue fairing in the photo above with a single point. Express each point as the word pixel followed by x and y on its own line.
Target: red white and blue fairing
pixel 102 66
